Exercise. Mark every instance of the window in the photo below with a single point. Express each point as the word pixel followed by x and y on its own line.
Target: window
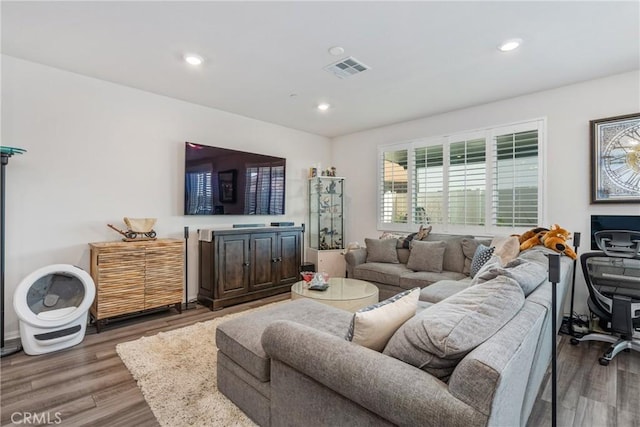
pixel 515 180
pixel 394 204
pixel 478 182
pixel 467 182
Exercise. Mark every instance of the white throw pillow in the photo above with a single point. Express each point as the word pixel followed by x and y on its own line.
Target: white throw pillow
pixel 373 326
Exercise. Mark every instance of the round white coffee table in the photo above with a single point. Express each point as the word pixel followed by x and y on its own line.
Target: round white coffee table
pixel 347 294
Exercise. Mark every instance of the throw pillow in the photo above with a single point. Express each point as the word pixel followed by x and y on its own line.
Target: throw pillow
pixel 382 250
pixel 529 275
pixel 507 248
pixel 494 261
pixel 426 256
pixel 372 326
pixel 480 258
pixel 469 246
pixel 440 336
pixel 454 258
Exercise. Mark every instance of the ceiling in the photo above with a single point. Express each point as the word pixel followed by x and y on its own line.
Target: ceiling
pixel 265 59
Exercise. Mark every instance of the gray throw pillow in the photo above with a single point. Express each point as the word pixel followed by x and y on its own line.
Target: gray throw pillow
pixel 480 258
pixel 529 275
pixel 426 256
pixel 437 338
pixel 382 250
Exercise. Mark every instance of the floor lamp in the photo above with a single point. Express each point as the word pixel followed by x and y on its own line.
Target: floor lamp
pixel 5 152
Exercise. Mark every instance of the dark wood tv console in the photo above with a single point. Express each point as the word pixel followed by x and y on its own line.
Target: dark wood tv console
pixel 239 265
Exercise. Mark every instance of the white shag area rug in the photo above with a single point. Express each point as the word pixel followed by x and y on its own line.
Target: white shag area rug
pixel 176 372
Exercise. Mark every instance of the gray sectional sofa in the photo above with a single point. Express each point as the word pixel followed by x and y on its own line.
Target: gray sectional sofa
pixel 391 277
pixel 291 365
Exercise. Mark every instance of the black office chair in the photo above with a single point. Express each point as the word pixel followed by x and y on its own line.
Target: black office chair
pixel 618 243
pixel 614 297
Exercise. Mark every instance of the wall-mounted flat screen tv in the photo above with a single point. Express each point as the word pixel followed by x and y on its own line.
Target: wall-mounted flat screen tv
pixel 220 181
pixel 612 222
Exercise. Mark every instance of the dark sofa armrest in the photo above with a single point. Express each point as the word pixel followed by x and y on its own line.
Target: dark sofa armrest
pixel 396 391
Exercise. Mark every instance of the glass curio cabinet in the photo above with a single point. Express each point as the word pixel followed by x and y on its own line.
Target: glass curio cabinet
pixel 326 213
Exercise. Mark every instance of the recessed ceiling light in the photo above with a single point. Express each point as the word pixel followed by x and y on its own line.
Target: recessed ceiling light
pixel 509 45
pixel 336 50
pixel 193 59
pixel 323 106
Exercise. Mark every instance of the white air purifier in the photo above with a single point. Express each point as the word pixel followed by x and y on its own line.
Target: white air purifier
pixel 52 304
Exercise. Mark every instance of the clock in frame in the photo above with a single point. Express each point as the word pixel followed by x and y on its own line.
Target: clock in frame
pixel 615 159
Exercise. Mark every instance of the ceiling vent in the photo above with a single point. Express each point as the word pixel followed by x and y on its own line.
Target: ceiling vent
pixel 346 67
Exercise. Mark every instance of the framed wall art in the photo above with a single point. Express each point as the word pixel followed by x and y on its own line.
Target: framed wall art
pixel 615 159
pixel 227 183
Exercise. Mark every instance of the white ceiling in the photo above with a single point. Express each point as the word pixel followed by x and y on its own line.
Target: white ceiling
pixel 425 57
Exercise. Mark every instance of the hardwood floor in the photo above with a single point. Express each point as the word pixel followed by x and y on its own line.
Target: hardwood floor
pixel 590 394
pixel 89 384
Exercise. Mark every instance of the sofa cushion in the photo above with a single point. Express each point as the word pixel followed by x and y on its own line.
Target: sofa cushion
pixel 239 338
pixel 426 256
pixel 382 250
pixel 372 326
pixel 403 255
pixel 453 255
pixel 381 272
pixel 529 275
pixel 442 289
pixel 480 258
pixel 537 254
pixel 469 246
pixel 507 248
pixel 494 261
pixel 441 335
pixel 412 279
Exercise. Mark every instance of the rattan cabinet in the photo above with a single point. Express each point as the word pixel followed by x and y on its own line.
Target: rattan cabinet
pixel 132 277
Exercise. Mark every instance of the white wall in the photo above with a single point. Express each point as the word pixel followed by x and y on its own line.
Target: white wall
pixel 98 151
pixel 568 111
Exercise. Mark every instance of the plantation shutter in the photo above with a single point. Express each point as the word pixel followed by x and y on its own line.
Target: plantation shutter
pixel 467 182
pixel 393 196
pixel 516 179
pixel 428 184
pixel 481 181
